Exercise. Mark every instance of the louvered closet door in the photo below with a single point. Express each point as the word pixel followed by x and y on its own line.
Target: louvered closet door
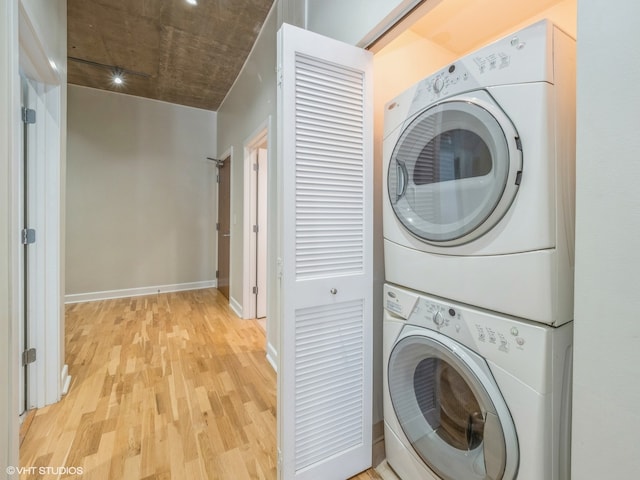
pixel 325 173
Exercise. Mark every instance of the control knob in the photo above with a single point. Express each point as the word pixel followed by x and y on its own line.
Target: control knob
pixel 438 319
pixel 438 84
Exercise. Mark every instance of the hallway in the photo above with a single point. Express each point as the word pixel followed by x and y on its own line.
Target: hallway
pixel 163 386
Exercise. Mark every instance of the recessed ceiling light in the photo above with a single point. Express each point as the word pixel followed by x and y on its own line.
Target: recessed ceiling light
pixel 117 77
pixel 192 2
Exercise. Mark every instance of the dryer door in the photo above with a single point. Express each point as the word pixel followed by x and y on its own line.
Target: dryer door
pixel 455 170
pixel 450 408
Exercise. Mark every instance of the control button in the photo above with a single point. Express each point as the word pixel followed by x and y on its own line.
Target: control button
pixel 520 341
pixel 438 319
pixel 481 335
pixel 438 85
pixel 452 312
pixel 452 68
pixel 492 336
pixel 515 41
pixel 457 328
pixel 514 331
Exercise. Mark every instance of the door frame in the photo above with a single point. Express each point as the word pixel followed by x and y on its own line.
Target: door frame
pixel 260 136
pixel 48 377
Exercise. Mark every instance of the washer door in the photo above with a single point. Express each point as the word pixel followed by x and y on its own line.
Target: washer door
pixel 455 170
pixel 450 408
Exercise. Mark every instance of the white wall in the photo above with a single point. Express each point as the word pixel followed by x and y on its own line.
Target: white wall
pixel 141 204
pixel 607 320
pixel 248 105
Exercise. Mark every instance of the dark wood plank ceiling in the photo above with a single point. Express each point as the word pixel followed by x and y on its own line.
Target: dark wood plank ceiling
pixel 186 54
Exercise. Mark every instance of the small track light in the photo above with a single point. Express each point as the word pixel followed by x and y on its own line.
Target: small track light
pixel 118 77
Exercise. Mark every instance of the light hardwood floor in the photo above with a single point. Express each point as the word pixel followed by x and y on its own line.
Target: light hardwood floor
pixel 170 386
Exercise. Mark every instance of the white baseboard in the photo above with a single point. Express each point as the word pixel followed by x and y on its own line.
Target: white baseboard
pixel 235 306
pixel 272 357
pixel 136 292
pixel 65 380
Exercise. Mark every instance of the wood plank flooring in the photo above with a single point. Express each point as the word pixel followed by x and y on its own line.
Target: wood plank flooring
pixel 170 386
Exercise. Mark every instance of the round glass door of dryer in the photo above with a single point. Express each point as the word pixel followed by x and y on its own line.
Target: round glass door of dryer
pixel 454 171
pixel 457 423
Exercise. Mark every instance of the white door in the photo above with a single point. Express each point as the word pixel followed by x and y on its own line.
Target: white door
pixel 261 240
pixel 22 387
pixel 30 255
pixel 325 175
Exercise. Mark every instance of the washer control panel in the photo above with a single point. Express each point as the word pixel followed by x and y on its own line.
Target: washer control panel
pixel 467 325
pixel 526 350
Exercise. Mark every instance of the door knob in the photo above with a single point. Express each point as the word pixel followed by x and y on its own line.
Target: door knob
pixel 333 291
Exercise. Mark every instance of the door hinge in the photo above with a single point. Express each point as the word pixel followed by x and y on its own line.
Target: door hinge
pixel 217 178
pixel 255 229
pixel 217 273
pixel 28 236
pixel 255 167
pixel 255 290
pixel 217 226
pixel 28 356
pixel 28 115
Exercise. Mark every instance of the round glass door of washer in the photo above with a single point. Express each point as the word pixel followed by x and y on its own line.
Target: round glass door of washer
pixel 455 171
pixel 451 411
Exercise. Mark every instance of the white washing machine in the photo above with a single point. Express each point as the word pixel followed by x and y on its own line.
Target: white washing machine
pixel 479 171
pixel 471 395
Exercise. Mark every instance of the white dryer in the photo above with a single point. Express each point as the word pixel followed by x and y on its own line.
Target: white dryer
pixel 474 395
pixel 479 172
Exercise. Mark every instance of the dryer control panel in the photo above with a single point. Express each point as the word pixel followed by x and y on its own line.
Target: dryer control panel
pixel 451 80
pixel 523 57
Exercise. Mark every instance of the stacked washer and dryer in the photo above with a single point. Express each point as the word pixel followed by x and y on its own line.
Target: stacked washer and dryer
pixel 479 234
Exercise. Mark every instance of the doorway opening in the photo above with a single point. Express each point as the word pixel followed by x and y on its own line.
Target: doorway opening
pixel 255 225
pixel 223 225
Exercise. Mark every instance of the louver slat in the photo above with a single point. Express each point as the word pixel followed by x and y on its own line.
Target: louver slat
pixel 329 381
pixel 333 96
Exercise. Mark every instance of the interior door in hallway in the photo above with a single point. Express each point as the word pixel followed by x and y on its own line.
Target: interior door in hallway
pixel 224 225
